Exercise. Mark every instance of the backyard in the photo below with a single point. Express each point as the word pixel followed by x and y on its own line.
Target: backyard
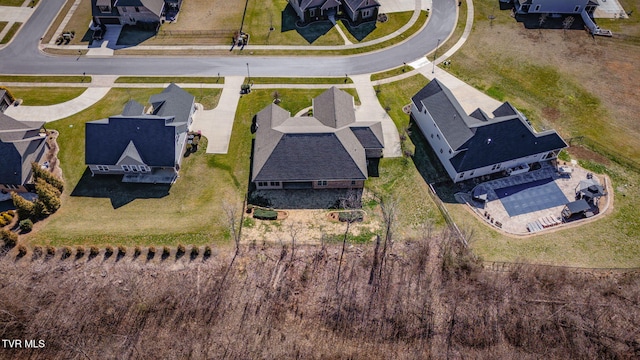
pixel 610 241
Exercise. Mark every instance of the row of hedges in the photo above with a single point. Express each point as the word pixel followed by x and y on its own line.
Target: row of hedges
pixel 49 189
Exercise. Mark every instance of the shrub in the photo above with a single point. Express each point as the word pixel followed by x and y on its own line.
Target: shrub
pixel 22 251
pixel 195 251
pixel 48 177
pixel 122 250
pixel 207 251
pixel 350 216
pixel 48 199
pixel 108 251
pixel 93 251
pixel 3 222
pixel 25 208
pixel 66 252
pixel 165 252
pixel 7 216
pixel 51 251
pixel 37 253
pixel 151 253
pixel 181 249
pixel 9 237
pixel 26 225
pixel 137 251
pixel 79 252
pixel 263 214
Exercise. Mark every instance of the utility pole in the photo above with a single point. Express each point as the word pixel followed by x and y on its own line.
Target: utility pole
pixel 248 74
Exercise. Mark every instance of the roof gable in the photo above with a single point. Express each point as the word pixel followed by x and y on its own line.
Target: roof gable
pixel 334 108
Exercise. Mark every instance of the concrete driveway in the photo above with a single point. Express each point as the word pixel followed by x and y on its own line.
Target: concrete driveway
pixel 58 111
pixel 216 124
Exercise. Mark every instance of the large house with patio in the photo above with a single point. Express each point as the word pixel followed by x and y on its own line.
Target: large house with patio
pixel 21 144
pixel 328 150
pixel 356 11
pixel 132 12
pixel 469 146
pixel 144 146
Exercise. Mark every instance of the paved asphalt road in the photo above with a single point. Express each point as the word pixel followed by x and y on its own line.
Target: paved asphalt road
pixel 23 57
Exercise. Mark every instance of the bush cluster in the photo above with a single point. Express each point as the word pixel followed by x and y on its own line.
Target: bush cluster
pixel 8 237
pixel 263 214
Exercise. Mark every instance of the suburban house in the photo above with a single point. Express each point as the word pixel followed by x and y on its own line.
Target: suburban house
pixel 564 7
pixel 21 144
pixel 132 12
pixel 477 144
pixel 328 150
pixel 356 11
pixel 144 146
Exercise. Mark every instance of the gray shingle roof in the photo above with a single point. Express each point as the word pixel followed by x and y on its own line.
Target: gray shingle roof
pixel 334 108
pixel 360 4
pixel 446 112
pixel 306 148
pixel 20 145
pixel 483 141
pixel 157 138
pixel 133 108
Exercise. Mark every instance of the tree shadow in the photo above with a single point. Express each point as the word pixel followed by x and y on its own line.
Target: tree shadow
pixel 310 32
pixel 112 187
pixel 360 31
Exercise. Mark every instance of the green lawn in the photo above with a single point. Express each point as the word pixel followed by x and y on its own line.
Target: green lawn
pixel 302 80
pixel 2 25
pixel 391 73
pixel 368 32
pixel 190 212
pixel 277 14
pixel 169 79
pixel 42 96
pixel 11 2
pixel 45 79
pixel 12 31
pixel 207 97
pixel 609 242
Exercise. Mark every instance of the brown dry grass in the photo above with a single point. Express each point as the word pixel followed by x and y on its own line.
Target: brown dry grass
pixel 426 299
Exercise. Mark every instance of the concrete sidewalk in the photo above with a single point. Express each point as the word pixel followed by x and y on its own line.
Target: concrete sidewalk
pixel 15 13
pixel 216 125
pixel 58 111
pixel 370 110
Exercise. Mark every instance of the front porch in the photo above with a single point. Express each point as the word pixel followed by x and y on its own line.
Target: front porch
pixel 157 176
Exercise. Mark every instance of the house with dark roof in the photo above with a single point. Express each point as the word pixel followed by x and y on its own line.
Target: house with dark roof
pixel 144 146
pixel 21 144
pixel 356 11
pixel 564 7
pixel 328 150
pixel 132 12
pixel 478 144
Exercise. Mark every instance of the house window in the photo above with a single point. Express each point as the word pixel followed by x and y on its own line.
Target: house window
pixel 103 168
pixel 322 183
pixel 312 12
pixel 366 13
pixel 263 183
pixel 450 151
pixel 275 183
pixel 438 136
pixel 126 168
pixel 461 175
pixel 577 8
pixel 134 168
pixel 137 9
pixel 471 173
pixel 144 168
pixel 353 182
pixel 537 8
pixel 432 136
pixel 124 9
pixel 441 151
